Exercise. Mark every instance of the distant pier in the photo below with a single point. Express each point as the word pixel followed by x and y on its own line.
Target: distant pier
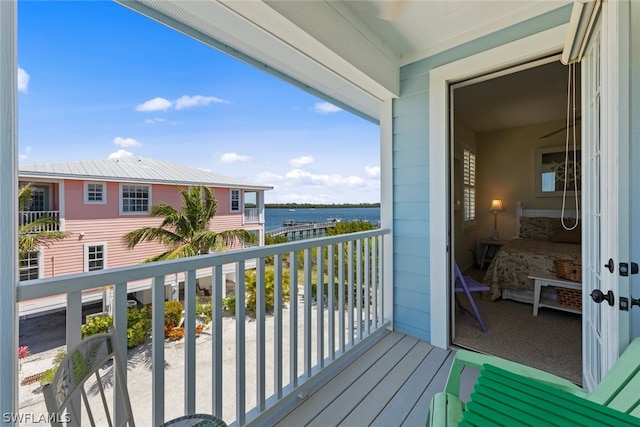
pixel 299 230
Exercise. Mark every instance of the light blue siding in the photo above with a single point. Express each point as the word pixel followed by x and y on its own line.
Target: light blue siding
pixel 411 171
pixel 635 159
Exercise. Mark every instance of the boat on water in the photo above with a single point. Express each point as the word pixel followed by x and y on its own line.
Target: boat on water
pixel 333 219
pixel 292 210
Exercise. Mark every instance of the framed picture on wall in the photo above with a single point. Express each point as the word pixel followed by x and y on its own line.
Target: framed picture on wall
pixel 554 169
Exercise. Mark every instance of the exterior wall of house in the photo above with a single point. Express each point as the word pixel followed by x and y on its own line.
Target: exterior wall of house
pixel 634 215
pixel 103 224
pixel 411 171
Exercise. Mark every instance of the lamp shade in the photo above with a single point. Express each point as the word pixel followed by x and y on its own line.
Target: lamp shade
pixel 496 205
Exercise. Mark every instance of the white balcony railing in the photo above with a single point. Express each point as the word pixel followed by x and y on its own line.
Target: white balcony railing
pixel 251 215
pixel 26 217
pixel 289 347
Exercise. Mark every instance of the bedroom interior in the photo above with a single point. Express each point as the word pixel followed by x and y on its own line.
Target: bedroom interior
pixel 510 132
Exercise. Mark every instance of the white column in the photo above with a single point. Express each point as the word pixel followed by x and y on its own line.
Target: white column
pixel 386 204
pixel 9 200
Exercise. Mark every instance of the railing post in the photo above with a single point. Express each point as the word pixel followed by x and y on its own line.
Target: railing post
pixel 190 341
pixel 9 202
pixel 157 350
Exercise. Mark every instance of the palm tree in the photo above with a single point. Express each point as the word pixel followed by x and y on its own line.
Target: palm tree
pixel 33 235
pixel 185 232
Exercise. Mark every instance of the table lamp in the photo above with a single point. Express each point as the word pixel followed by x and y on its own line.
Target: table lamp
pixel 496 206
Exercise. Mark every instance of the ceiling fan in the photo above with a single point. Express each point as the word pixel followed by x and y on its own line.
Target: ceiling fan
pixel 563 128
pixel 393 10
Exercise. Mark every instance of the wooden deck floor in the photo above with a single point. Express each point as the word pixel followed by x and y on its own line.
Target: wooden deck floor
pixel 391 384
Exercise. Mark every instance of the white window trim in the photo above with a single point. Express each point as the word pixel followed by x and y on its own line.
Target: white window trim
pixel 86 254
pixel 135 213
pixel 239 200
pixel 40 264
pixel 95 202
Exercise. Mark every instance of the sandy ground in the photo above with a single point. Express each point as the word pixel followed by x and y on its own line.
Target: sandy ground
pixel 45 337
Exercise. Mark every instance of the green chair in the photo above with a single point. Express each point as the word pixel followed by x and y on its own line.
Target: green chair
pixel 619 389
pixel 78 387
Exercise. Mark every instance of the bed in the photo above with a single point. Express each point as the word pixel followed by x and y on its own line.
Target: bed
pixel 541 239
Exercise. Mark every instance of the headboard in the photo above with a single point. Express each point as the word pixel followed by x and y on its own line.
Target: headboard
pixel 550 213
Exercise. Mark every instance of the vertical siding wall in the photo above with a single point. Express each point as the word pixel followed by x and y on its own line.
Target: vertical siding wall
pixel 634 63
pixel 411 173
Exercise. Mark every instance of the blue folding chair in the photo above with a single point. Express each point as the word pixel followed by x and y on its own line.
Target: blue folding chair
pixel 467 285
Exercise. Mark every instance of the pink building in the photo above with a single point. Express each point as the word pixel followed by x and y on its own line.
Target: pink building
pixel 98 201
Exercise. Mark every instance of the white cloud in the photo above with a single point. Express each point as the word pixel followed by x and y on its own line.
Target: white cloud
pixel 325 108
pixel 155 104
pixel 125 142
pixel 120 153
pixel 268 177
pixel 301 161
pixel 372 171
pixel 234 158
pixel 152 121
pixel 186 101
pixel 23 80
pixel 25 155
pixel 335 180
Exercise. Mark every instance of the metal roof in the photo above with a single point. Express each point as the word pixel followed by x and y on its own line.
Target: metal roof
pixel 134 169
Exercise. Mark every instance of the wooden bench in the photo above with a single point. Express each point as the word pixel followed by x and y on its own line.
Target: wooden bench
pixel 619 390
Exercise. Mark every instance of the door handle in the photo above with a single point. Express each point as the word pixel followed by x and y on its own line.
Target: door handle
pixel 610 265
pixel 598 296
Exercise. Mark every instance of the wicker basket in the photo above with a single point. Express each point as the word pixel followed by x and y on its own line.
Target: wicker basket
pixel 569 297
pixel 568 270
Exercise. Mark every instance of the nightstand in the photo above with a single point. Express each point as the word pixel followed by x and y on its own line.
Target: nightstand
pixel 491 248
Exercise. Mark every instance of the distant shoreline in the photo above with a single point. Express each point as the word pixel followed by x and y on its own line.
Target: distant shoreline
pixel 319 206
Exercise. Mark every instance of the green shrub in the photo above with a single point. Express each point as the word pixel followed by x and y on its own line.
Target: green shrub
pixel 205 310
pixel 173 312
pixel 269 279
pixel 138 325
pixel 229 303
pixel 47 376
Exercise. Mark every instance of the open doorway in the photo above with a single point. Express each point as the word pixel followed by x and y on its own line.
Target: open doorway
pixel 508 140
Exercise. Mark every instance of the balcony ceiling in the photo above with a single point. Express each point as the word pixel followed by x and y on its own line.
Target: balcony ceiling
pixel 346 51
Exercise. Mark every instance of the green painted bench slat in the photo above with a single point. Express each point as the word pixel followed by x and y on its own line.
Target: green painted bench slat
pixel 619 390
pixel 539 400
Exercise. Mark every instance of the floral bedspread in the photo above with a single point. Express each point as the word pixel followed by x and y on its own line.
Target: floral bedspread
pixel 513 263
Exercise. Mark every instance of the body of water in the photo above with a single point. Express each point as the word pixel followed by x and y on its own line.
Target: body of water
pixel 274 218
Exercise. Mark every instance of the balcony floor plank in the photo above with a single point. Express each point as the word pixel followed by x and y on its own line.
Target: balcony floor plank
pixel 390 384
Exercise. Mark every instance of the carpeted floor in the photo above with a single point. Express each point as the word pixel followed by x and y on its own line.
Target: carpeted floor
pixel 551 341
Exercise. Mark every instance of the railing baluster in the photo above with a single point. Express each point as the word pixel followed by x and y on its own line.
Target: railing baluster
pixel 375 278
pixel 359 286
pixel 216 342
pixel 320 306
pixel 157 350
pixel 307 313
pixel 293 318
pixel 341 306
pixel 189 342
pixel 120 324
pixel 260 334
pixel 331 297
pixel 350 292
pixel 367 284
pixel 277 324
pixel 240 344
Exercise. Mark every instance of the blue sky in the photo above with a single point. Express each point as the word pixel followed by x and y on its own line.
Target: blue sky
pixel 98 80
